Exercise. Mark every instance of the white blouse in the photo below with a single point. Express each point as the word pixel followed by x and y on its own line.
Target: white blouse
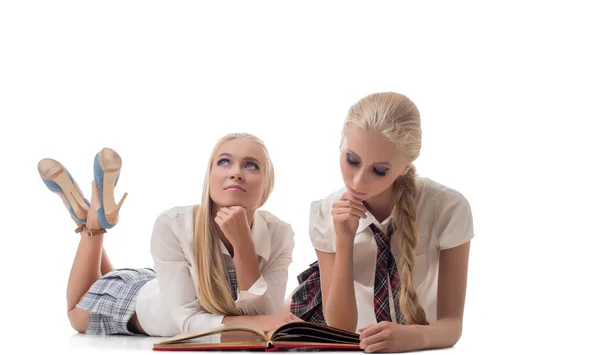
pixel 444 220
pixel 168 305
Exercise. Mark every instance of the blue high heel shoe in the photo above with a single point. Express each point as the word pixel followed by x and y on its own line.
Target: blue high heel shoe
pixel 107 170
pixel 59 180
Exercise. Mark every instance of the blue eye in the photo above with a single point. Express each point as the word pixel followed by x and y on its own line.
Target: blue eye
pixel 251 164
pixel 222 161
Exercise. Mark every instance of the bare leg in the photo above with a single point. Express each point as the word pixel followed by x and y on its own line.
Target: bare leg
pixel 87 266
pixel 85 269
pixel 91 262
pixel 105 265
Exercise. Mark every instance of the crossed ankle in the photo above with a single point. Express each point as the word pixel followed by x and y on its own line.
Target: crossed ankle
pixel 89 232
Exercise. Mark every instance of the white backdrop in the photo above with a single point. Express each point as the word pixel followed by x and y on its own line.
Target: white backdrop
pixel 508 95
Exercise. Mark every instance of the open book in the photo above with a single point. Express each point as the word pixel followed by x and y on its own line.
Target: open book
pixel 295 336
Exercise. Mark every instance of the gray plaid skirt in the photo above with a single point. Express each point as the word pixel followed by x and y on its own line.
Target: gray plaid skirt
pixel 111 300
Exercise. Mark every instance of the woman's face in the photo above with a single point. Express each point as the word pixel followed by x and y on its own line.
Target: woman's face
pixel 237 176
pixel 370 163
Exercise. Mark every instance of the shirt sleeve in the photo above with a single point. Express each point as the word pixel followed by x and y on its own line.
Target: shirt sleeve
pixel 321 230
pixel 175 280
pixel 454 223
pixel 266 295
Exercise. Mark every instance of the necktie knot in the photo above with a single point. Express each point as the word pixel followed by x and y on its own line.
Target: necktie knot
pixel 382 239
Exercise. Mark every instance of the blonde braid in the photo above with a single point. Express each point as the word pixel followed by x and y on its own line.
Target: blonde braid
pixel 404 221
pixel 397 118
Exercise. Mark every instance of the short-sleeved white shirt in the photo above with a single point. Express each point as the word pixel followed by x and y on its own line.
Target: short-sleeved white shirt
pixel 444 220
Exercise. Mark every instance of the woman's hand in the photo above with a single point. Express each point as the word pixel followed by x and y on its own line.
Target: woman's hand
pixel 346 212
pixel 391 337
pixel 234 224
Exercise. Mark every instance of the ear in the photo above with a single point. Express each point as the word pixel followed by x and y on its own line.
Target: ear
pixel 406 169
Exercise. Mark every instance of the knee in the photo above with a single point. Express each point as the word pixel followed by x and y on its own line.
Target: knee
pixel 78 326
pixel 79 320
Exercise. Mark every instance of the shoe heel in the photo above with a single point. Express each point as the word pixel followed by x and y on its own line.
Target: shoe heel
pixel 107 170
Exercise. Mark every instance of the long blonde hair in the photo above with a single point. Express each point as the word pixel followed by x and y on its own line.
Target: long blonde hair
pixel 214 292
pixel 399 120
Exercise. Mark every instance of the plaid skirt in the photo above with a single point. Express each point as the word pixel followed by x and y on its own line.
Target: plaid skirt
pixel 307 299
pixel 111 300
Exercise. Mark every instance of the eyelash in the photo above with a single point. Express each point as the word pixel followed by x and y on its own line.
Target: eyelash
pixel 355 163
pixel 379 173
pixel 247 163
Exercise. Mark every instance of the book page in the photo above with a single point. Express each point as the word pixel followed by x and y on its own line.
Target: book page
pixel 225 328
pixel 229 337
pixel 249 326
pixel 228 340
pixel 313 332
pixel 242 337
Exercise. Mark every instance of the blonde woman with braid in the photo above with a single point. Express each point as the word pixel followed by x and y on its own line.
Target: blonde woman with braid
pixel 218 262
pixel 392 247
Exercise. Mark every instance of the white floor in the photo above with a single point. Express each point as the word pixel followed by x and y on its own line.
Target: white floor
pixel 49 338
pixel 112 342
pixel 80 343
